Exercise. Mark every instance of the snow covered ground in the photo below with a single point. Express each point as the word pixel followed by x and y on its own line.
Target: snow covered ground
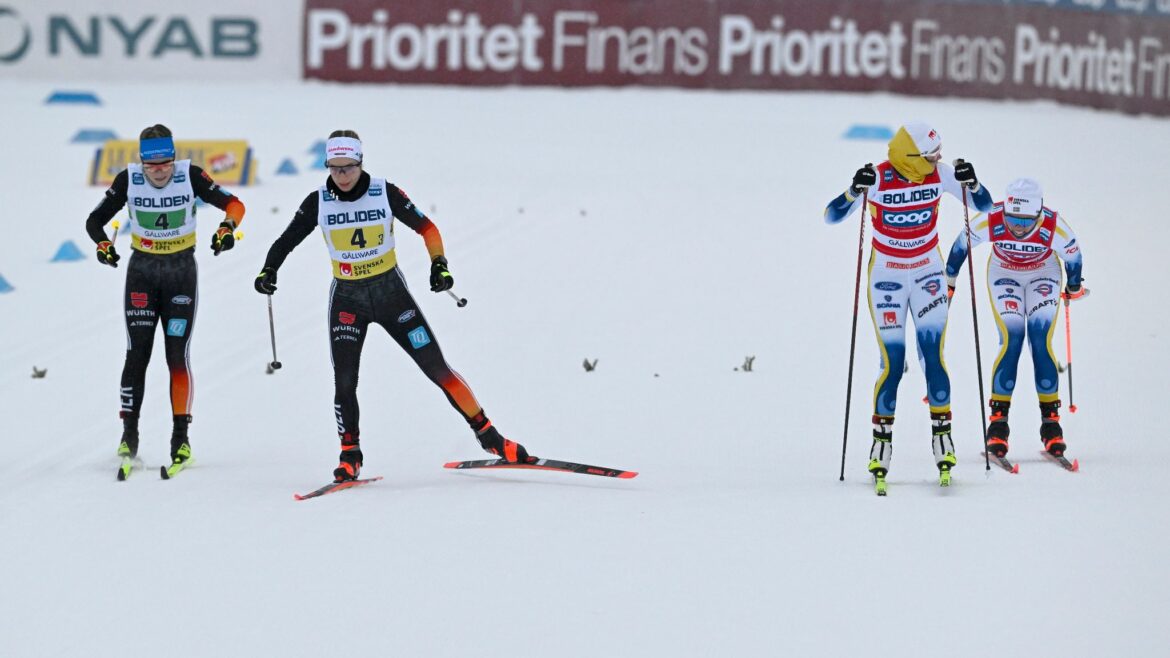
pixel 668 234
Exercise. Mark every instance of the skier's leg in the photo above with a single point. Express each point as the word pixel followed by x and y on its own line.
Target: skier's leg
pixel 179 301
pixel 930 306
pixel 140 304
pixel 1007 300
pixel 400 315
pixel 349 319
pixel 887 294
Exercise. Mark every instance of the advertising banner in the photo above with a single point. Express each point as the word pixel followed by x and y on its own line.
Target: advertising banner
pixel 1021 50
pixel 229 162
pixel 62 40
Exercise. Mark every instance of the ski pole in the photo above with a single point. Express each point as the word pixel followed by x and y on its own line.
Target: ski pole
pixel 459 301
pixel 1072 408
pixel 275 365
pixel 975 321
pixel 853 337
pixel 117 225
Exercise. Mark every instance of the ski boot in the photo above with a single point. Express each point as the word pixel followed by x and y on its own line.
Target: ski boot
pixel 1050 432
pixel 128 448
pixel 881 451
pixel 180 448
pixel 493 442
pixel 998 430
pixel 350 465
pixel 944 447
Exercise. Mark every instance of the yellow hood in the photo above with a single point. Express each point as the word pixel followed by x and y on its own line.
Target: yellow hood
pixel 905 149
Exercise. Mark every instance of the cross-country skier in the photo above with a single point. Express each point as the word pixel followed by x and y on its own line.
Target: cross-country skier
pixel 906 275
pixel 162 277
pixel 1028 241
pixel 356 213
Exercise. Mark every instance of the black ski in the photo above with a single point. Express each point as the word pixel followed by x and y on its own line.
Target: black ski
pixel 336 486
pixel 537 463
pixel 1072 467
pixel 1003 463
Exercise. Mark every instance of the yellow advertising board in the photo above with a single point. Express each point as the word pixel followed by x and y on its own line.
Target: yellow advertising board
pixel 229 162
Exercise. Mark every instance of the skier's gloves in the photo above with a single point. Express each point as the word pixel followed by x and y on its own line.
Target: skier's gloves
pixel 965 174
pixel 441 279
pixel 1074 292
pixel 266 281
pixel 106 254
pixel 865 177
pixel 224 237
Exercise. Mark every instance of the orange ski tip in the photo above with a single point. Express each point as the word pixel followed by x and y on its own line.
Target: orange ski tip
pixel 451 465
pixel 628 474
pixel 1015 468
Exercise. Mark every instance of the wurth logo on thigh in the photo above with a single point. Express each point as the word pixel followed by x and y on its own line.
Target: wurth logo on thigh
pixel 139 299
pixel 346 318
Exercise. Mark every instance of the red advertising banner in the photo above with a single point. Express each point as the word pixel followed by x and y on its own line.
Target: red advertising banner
pixel 1105 60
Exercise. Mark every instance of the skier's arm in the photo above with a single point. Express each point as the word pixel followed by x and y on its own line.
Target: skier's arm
pixel 978 196
pixel 208 190
pixel 111 203
pixel 841 207
pixel 1066 248
pixel 298 229
pixel 405 210
pixel 958 255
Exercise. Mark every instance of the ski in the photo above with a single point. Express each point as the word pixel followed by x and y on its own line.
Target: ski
pixel 1072 467
pixel 336 486
pixel 1002 462
pixel 944 478
pixel 168 472
pixel 127 466
pixel 536 463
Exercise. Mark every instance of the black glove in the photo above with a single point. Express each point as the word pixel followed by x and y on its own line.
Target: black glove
pixel 266 281
pixel 441 279
pixel 224 237
pixel 865 177
pixel 965 174
pixel 106 254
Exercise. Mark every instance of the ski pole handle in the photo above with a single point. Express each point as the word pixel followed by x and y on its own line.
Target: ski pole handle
pixel 459 301
pixel 117 225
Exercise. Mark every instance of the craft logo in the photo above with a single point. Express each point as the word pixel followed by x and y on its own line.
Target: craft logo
pixel 346 318
pixel 138 299
pixel 932 287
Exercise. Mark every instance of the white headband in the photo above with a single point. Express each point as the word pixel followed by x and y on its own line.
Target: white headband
pixel 343 147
